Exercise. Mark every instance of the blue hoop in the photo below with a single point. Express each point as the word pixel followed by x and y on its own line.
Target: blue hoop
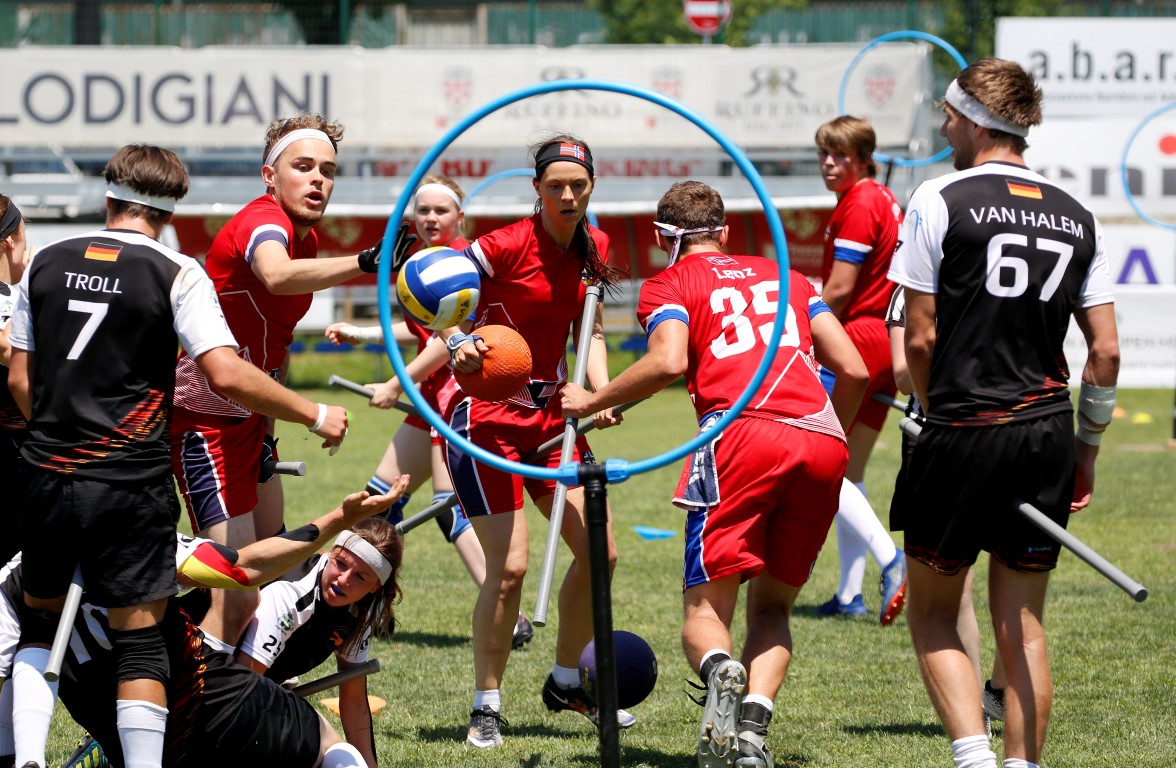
pixel 905 34
pixel 512 174
pixel 1123 168
pixel 616 470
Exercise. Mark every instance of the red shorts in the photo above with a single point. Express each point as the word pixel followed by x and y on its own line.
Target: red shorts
pixel 438 391
pixel 512 432
pixel 216 461
pixel 778 492
pixel 872 340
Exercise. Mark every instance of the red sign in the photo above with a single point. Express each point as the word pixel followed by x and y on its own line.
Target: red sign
pixel 706 17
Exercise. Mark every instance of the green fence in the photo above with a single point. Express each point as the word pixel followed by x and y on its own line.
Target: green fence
pixel 379 23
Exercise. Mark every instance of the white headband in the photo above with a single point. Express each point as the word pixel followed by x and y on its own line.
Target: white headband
pixel 293 136
pixel 676 233
pixel 434 187
pixel 128 195
pixel 362 548
pixel 978 113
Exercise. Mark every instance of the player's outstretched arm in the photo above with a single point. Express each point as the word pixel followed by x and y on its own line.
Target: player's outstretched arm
pixel 283 276
pixel 432 358
pixel 666 360
pixel 836 351
pixel 262 561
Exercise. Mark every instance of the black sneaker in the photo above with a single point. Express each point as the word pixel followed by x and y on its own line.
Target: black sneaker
pixel 485 729
pixel 523 632
pixel 993 701
pixel 558 699
pixel 753 752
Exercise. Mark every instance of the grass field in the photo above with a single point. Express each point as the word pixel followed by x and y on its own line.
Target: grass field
pixel 853 696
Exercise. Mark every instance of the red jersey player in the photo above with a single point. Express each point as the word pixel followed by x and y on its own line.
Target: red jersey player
pixel 533 276
pixel 416 449
pixel 264 265
pixel 769 483
pixel 859 242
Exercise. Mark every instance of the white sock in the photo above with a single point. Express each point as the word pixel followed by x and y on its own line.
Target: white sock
pixel 342 755
pixel 1017 762
pixel 32 709
pixel 565 677
pixel 973 752
pixel 491 700
pixel 851 559
pixel 141 726
pixel 856 520
pixel 7 743
pixel 763 701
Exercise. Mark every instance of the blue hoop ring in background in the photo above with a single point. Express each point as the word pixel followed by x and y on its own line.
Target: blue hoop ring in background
pixel 1123 168
pixel 905 34
pixel 616 470
pixel 513 173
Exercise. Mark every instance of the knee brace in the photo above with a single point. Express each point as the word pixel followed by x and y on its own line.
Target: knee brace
pixel 38 627
pixel 451 522
pixel 140 654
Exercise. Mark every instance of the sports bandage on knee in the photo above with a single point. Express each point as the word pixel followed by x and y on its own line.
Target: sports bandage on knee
pixel 1096 408
pixel 140 654
pixel 215 565
pixel 38 627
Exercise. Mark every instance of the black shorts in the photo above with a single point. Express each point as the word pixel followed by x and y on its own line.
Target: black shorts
pixel 269 726
pixel 963 485
pixel 122 534
pixel 10 493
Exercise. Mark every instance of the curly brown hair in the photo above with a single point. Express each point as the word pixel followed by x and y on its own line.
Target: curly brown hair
pixel 279 128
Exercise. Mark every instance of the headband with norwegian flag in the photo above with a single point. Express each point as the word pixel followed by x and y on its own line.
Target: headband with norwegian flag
pixel 563 151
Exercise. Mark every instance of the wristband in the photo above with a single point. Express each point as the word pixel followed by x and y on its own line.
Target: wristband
pixel 322 417
pixel 1096 408
pixel 372 333
pixel 457 339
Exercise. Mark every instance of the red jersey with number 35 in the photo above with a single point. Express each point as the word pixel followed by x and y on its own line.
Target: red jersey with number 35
pixel 730 304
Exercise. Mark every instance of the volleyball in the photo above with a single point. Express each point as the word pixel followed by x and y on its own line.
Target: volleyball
pixel 438 287
pixel 636 668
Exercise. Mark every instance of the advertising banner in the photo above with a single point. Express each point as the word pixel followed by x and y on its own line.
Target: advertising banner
pixel 764 97
pixel 1094 66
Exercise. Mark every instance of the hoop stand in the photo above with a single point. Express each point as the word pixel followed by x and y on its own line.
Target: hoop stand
pixel 594 480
